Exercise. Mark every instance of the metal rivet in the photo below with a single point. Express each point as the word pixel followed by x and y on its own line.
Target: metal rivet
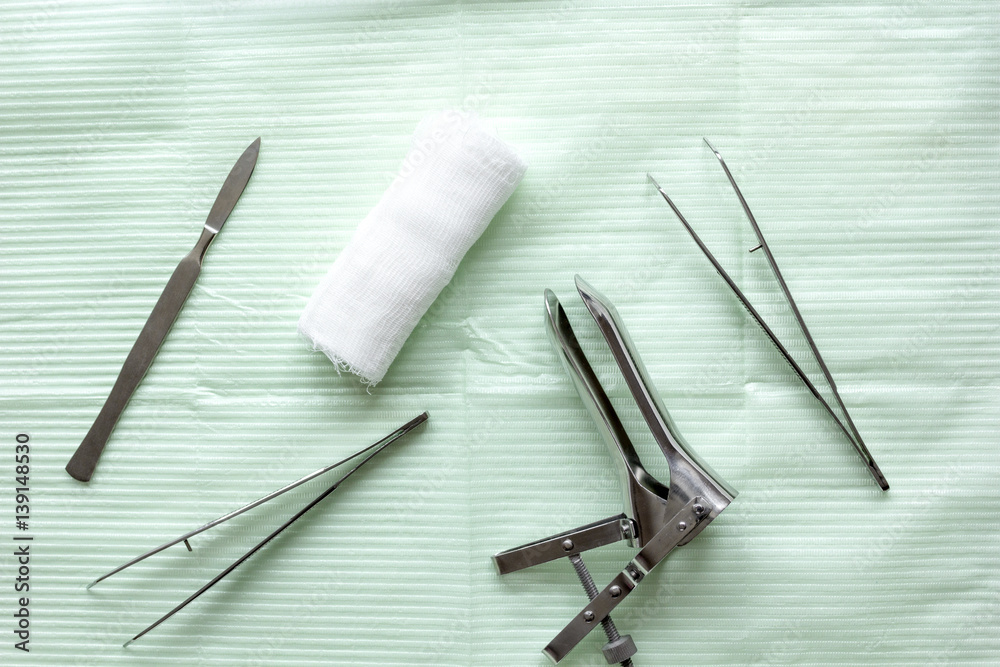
pixel 615 591
pixel 699 509
pixel 588 616
pixel 568 545
pixel 681 526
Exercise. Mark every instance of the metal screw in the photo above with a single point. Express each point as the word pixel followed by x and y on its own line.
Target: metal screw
pixel 699 509
pixel 591 588
pixel 615 591
pixel 628 530
pixel 568 544
pixel 681 526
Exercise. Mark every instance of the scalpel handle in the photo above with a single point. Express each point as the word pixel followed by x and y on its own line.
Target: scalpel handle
pixel 84 460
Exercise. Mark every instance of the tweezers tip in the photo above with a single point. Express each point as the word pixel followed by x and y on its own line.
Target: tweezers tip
pixel 656 185
pixel 879 477
pixel 663 194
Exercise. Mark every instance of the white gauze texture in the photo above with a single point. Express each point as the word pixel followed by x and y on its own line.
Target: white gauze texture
pixel 456 177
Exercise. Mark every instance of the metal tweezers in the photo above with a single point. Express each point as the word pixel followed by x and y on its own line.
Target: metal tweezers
pixel 368 453
pixel 847 424
pixel 657 517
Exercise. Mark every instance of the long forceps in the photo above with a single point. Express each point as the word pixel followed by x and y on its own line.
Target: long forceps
pixel 658 517
pixel 847 424
pixel 366 455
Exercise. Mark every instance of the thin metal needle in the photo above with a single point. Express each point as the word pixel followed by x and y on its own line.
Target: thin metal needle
pixel 419 420
pixel 857 441
pixel 401 431
pixel 760 321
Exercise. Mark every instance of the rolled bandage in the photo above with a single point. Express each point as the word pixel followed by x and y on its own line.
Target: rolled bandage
pixel 455 178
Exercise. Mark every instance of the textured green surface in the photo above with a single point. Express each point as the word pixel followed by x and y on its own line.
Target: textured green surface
pixel 864 137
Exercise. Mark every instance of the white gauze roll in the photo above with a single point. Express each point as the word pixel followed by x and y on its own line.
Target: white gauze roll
pixel 456 177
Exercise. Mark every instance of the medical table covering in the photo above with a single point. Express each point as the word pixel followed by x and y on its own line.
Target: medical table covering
pixel 865 138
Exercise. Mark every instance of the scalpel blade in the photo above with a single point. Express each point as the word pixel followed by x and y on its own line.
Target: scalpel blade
pixel 169 305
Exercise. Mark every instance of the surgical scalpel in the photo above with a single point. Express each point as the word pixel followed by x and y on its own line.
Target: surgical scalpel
pixel 846 424
pixel 168 307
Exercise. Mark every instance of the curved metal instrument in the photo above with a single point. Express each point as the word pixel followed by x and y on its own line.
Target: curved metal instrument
pixel 657 517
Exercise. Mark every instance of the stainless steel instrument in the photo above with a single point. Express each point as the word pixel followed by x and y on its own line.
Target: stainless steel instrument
pixel 81 465
pixel 368 453
pixel 843 419
pixel 658 517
